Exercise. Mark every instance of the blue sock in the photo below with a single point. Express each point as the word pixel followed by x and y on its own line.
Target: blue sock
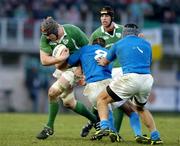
pixel 104 124
pixel 111 121
pixel 155 135
pixel 135 123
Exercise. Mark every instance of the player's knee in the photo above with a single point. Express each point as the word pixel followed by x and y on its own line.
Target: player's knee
pixel 69 100
pixel 69 104
pixel 99 100
pixel 53 93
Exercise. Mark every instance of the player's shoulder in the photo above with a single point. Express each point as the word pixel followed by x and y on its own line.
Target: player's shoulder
pixel 89 47
pixel 97 31
pixel 72 30
pixel 121 41
pixel 147 42
pixel 144 40
pixel 99 47
pixel 118 27
pixel 70 26
pixel 43 37
pixel 104 49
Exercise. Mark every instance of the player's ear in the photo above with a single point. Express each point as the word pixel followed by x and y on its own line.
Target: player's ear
pixel 141 35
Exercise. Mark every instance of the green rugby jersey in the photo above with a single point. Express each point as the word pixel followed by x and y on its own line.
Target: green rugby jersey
pixel 110 39
pixel 73 39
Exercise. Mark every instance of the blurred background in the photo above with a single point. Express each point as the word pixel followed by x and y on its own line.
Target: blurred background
pixel 24 81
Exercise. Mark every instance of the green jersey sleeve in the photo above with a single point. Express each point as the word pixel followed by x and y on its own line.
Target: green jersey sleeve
pixel 44 45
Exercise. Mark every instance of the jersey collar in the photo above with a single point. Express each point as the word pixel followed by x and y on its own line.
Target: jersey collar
pixel 115 25
pixel 63 35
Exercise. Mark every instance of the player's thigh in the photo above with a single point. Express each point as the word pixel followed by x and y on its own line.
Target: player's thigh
pixel 59 86
pixel 92 90
pixel 128 108
pixel 55 90
pixel 145 89
pixel 116 72
pixel 66 77
pixel 118 103
pixel 124 87
pixel 69 77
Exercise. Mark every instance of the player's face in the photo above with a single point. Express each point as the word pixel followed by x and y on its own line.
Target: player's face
pixel 105 20
pixel 52 37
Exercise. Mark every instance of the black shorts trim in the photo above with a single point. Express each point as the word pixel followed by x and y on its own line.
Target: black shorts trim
pixel 112 94
pixel 138 103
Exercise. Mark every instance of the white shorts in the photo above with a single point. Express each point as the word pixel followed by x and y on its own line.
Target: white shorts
pixel 67 74
pixel 131 85
pixel 92 90
pixel 116 72
pixel 118 103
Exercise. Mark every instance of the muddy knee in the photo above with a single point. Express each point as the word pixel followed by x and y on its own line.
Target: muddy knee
pixel 69 101
pixel 53 93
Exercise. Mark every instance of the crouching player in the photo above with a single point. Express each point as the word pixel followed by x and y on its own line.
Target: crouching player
pixel 135 55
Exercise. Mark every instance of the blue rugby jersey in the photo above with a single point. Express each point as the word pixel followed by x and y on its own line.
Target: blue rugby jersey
pixel 87 57
pixel 133 53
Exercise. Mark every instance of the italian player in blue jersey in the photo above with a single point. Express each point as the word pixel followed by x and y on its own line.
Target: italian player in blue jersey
pixel 135 55
pixel 97 78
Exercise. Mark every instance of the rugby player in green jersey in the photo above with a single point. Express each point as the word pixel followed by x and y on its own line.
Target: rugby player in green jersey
pixel 73 38
pixel 111 33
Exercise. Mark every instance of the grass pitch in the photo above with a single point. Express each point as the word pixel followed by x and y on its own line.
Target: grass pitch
pixel 21 129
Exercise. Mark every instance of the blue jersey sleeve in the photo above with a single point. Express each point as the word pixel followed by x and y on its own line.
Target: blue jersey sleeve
pixel 74 58
pixel 111 55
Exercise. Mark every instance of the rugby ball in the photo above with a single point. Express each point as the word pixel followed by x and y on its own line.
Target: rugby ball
pixel 58 50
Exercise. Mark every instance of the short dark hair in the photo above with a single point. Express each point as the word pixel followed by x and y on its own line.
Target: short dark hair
pixel 130 29
pixel 49 26
pixel 131 25
pixel 100 41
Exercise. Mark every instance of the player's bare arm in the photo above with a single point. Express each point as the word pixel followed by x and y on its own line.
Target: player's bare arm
pixel 47 59
pixel 78 71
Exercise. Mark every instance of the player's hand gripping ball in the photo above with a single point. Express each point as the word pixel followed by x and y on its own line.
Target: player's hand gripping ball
pixel 62 53
pixel 58 51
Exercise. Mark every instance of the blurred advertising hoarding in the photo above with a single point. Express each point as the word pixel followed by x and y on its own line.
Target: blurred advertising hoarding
pixel 164 99
pixel 154 37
